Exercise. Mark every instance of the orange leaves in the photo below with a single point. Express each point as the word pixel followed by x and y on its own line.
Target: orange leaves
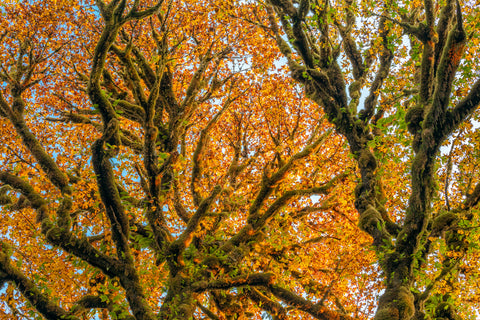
pixel 204 58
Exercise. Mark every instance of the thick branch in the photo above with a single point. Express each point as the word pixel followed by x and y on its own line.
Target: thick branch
pixel 255 279
pixel 46 162
pixel 35 199
pixel 183 241
pixel 43 303
pixel 447 68
pixel 464 107
pixel 97 96
pixel 88 302
pixel 60 236
pixel 445 20
pixel 273 307
pixel 110 196
pixel 316 310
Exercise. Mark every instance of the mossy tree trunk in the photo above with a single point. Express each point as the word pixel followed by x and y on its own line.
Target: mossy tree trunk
pixel 137 107
pixel 313 57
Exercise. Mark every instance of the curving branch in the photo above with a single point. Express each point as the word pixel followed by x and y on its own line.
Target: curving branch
pixel 15 115
pixel 109 192
pixel 255 279
pixel 267 187
pixel 277 311
pixel 42 302
pixel 464 108
pixel 318 311
pixel 260 221
pixel 114 20
pixel 197 155
pixel 386 58
pixel 176 247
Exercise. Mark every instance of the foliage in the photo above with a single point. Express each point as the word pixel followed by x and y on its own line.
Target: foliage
pixel 160 160
pixel 413 61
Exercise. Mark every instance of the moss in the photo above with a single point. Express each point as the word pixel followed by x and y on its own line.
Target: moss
pixel 443 220
pixel 6 250
pixel 354 88
pixel 54 234
pixel 455 240
pixel 429 138
pixel 358 190
pixel 227 247
pixel 178 282
pixel 370 217
pixel 185 311
pixel 396 303
pixel 413 118
pixel 367 160
pixel 5 199
pixel 405 303
pixel 387 314
pixel 391 263
pixel 212 262
pixel 446 311
pixel 416 143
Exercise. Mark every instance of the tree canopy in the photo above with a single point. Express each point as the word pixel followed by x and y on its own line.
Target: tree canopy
pixel 217 159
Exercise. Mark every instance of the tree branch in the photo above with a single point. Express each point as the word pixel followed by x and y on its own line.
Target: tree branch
pixel 29 290
pixel 264 302
pixel 110 196
pixel 197 155
pixel 318 311
pixel 255 279
pixel 176 248
pixel 464 108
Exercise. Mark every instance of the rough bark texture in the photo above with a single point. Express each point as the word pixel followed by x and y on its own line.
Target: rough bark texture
pixel 148 107
pixel 431 122
pixel 128 88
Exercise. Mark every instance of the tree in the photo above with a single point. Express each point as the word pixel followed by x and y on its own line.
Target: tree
pixel 414 62
pixel 158 162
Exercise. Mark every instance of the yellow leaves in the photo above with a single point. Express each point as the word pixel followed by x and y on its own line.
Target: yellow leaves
pixel 308 239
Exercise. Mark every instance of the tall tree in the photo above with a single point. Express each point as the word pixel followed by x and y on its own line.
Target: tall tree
pixel 379 69
pixel 158 162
